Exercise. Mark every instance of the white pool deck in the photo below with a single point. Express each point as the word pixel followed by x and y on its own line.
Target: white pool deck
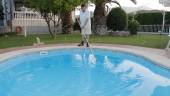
pixel 158 56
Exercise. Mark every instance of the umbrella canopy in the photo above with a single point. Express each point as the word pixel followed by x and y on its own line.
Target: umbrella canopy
pixel 142 6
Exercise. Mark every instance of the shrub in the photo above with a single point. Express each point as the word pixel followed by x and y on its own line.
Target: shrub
pixel 117 19
pixel 133 27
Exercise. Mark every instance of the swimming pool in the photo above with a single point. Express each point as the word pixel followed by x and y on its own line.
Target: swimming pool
pixel 71 72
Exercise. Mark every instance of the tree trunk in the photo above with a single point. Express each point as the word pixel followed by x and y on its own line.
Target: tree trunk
pixel 49 27
pixel 100 19
pixel 67 23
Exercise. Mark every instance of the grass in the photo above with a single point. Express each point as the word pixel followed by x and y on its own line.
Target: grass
pixel 152 41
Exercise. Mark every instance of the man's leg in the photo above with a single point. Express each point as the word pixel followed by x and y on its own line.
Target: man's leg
pixel 82 41
pixel 87 40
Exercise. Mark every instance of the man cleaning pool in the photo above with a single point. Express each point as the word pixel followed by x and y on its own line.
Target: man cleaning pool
pixel 85 24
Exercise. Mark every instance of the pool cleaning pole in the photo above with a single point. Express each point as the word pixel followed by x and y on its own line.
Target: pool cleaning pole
pixel 168 45
pixel 88 43
pixel 86 40
pixel 93 59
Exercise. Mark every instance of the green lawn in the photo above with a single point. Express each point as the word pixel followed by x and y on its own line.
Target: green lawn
pixel 152 41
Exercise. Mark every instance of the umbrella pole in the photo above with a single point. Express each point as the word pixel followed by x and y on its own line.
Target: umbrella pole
pixel 163 22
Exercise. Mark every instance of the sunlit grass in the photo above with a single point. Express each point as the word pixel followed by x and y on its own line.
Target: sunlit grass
pixel 152 41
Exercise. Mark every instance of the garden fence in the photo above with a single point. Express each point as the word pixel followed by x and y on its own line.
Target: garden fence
pixel 153 28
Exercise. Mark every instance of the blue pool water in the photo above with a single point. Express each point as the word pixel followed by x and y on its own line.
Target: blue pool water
pixel 70 72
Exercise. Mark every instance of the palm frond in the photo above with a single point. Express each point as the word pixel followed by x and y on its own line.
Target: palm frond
pixel 134 1
pixel 116 2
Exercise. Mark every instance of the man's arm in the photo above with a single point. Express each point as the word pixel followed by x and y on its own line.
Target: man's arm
pixel 87 19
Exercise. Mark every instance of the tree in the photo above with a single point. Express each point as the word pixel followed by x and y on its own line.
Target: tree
pixel 46 9
pixel 1 11
pixel 67 7
pixel 100 15
pixel 50 9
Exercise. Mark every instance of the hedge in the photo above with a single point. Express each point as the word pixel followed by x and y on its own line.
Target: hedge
pixel 152 18
pixel 117 19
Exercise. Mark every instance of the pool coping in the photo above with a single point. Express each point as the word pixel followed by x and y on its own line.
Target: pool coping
pixel 155 55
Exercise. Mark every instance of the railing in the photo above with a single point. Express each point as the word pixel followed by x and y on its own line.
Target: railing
pixel 26 15
pixel 153 28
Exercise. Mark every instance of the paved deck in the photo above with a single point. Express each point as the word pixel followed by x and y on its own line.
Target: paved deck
pixel 159 56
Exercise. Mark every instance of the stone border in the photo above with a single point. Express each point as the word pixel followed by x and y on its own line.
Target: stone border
pixel 154 55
